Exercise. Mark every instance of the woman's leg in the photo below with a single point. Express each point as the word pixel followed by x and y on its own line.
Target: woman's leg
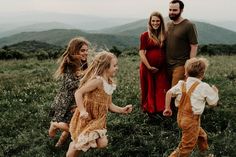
pixel 62 126
pixel 57 125
pixel 62 139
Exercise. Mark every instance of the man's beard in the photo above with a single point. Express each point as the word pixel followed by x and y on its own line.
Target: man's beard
pixel 174 17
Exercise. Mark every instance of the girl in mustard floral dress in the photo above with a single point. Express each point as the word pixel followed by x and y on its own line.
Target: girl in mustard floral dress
pixel 94 99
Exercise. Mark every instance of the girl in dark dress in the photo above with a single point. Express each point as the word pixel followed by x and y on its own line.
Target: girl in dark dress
pixel 153 77
pixel 72 63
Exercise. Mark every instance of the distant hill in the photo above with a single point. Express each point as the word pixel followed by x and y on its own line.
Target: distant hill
pixel 62 36
pixel 35 27
pixel 208 33
pixel 121 36
pixel 228 24
pixel 126 27
pixel 211 34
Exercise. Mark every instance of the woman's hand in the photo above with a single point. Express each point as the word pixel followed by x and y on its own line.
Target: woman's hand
pixel 153 69
pixel 127 109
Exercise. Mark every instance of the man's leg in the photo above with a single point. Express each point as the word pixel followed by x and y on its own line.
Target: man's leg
pixel 177 74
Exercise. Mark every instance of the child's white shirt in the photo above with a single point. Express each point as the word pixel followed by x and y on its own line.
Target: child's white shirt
pixel 203 93
pixel 108 88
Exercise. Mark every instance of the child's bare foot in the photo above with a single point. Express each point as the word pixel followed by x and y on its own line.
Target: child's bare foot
pixel 52 130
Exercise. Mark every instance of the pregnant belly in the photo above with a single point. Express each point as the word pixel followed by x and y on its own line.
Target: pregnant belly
pixel 155 58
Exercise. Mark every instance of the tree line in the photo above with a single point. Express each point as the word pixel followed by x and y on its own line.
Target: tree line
pixel 30 49
pixel 41 50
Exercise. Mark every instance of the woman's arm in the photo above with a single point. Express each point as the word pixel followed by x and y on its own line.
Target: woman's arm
pixel 71 81
pixel 145 61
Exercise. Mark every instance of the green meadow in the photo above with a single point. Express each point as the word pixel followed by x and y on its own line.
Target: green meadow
pixel 27 90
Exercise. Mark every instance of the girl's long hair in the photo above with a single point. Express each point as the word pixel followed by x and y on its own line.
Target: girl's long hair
pixel 158 36
pixel 70 58
pixel 100 63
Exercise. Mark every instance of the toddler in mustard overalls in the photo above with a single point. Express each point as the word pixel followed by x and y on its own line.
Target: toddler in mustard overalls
pixel 191 96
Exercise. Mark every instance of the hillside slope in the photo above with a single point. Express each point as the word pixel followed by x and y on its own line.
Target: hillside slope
pixel 121 36
pixel 62 36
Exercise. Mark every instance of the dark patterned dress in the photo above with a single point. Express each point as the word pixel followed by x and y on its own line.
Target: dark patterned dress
pixel 65 100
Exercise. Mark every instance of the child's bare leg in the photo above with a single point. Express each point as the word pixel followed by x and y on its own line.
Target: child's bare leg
pixel 102 142
pixel 62 139
pixel 72 152
pixel 57 125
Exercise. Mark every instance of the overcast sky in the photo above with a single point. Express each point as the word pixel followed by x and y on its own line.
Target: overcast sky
pixel 194 9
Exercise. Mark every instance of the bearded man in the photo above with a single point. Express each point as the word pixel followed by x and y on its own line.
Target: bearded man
pixel 181 43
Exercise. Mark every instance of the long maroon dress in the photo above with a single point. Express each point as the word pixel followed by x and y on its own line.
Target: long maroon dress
pixel 153 85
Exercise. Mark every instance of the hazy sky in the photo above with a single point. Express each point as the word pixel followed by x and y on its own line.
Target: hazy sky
pixel 194 9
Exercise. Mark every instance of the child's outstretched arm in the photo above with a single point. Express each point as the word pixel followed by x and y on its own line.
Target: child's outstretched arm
pixel 117 109
pixel 89 86
pixel 215 88
pixel 168 111
pixel 212 96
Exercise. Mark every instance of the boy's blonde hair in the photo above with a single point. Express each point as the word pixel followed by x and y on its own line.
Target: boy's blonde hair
pixel 196 67
pixel 100 63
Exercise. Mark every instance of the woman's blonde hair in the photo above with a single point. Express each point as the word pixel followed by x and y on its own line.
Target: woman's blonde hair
pixel 158 36
pixel 100 63
pixel 196 67
pixel 70 57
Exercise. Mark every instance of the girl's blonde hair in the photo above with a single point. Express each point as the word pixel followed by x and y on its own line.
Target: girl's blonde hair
pixel 196 67
pixel 70 58
pixel 158 36
pixel 100 63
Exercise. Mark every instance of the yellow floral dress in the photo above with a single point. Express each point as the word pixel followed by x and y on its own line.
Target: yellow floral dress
pixel 85 132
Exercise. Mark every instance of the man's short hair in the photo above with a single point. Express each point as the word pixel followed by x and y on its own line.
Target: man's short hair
pixel 181 4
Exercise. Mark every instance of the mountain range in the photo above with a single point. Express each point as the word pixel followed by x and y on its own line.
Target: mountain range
pixel 125 35
pixel 27 21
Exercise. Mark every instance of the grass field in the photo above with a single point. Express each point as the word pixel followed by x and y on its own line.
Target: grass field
pixel 27 89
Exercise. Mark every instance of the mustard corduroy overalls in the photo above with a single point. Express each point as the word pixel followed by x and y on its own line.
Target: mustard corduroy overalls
pixel 192 133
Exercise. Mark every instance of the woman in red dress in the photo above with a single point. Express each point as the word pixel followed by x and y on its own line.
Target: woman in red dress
pixel 153 77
